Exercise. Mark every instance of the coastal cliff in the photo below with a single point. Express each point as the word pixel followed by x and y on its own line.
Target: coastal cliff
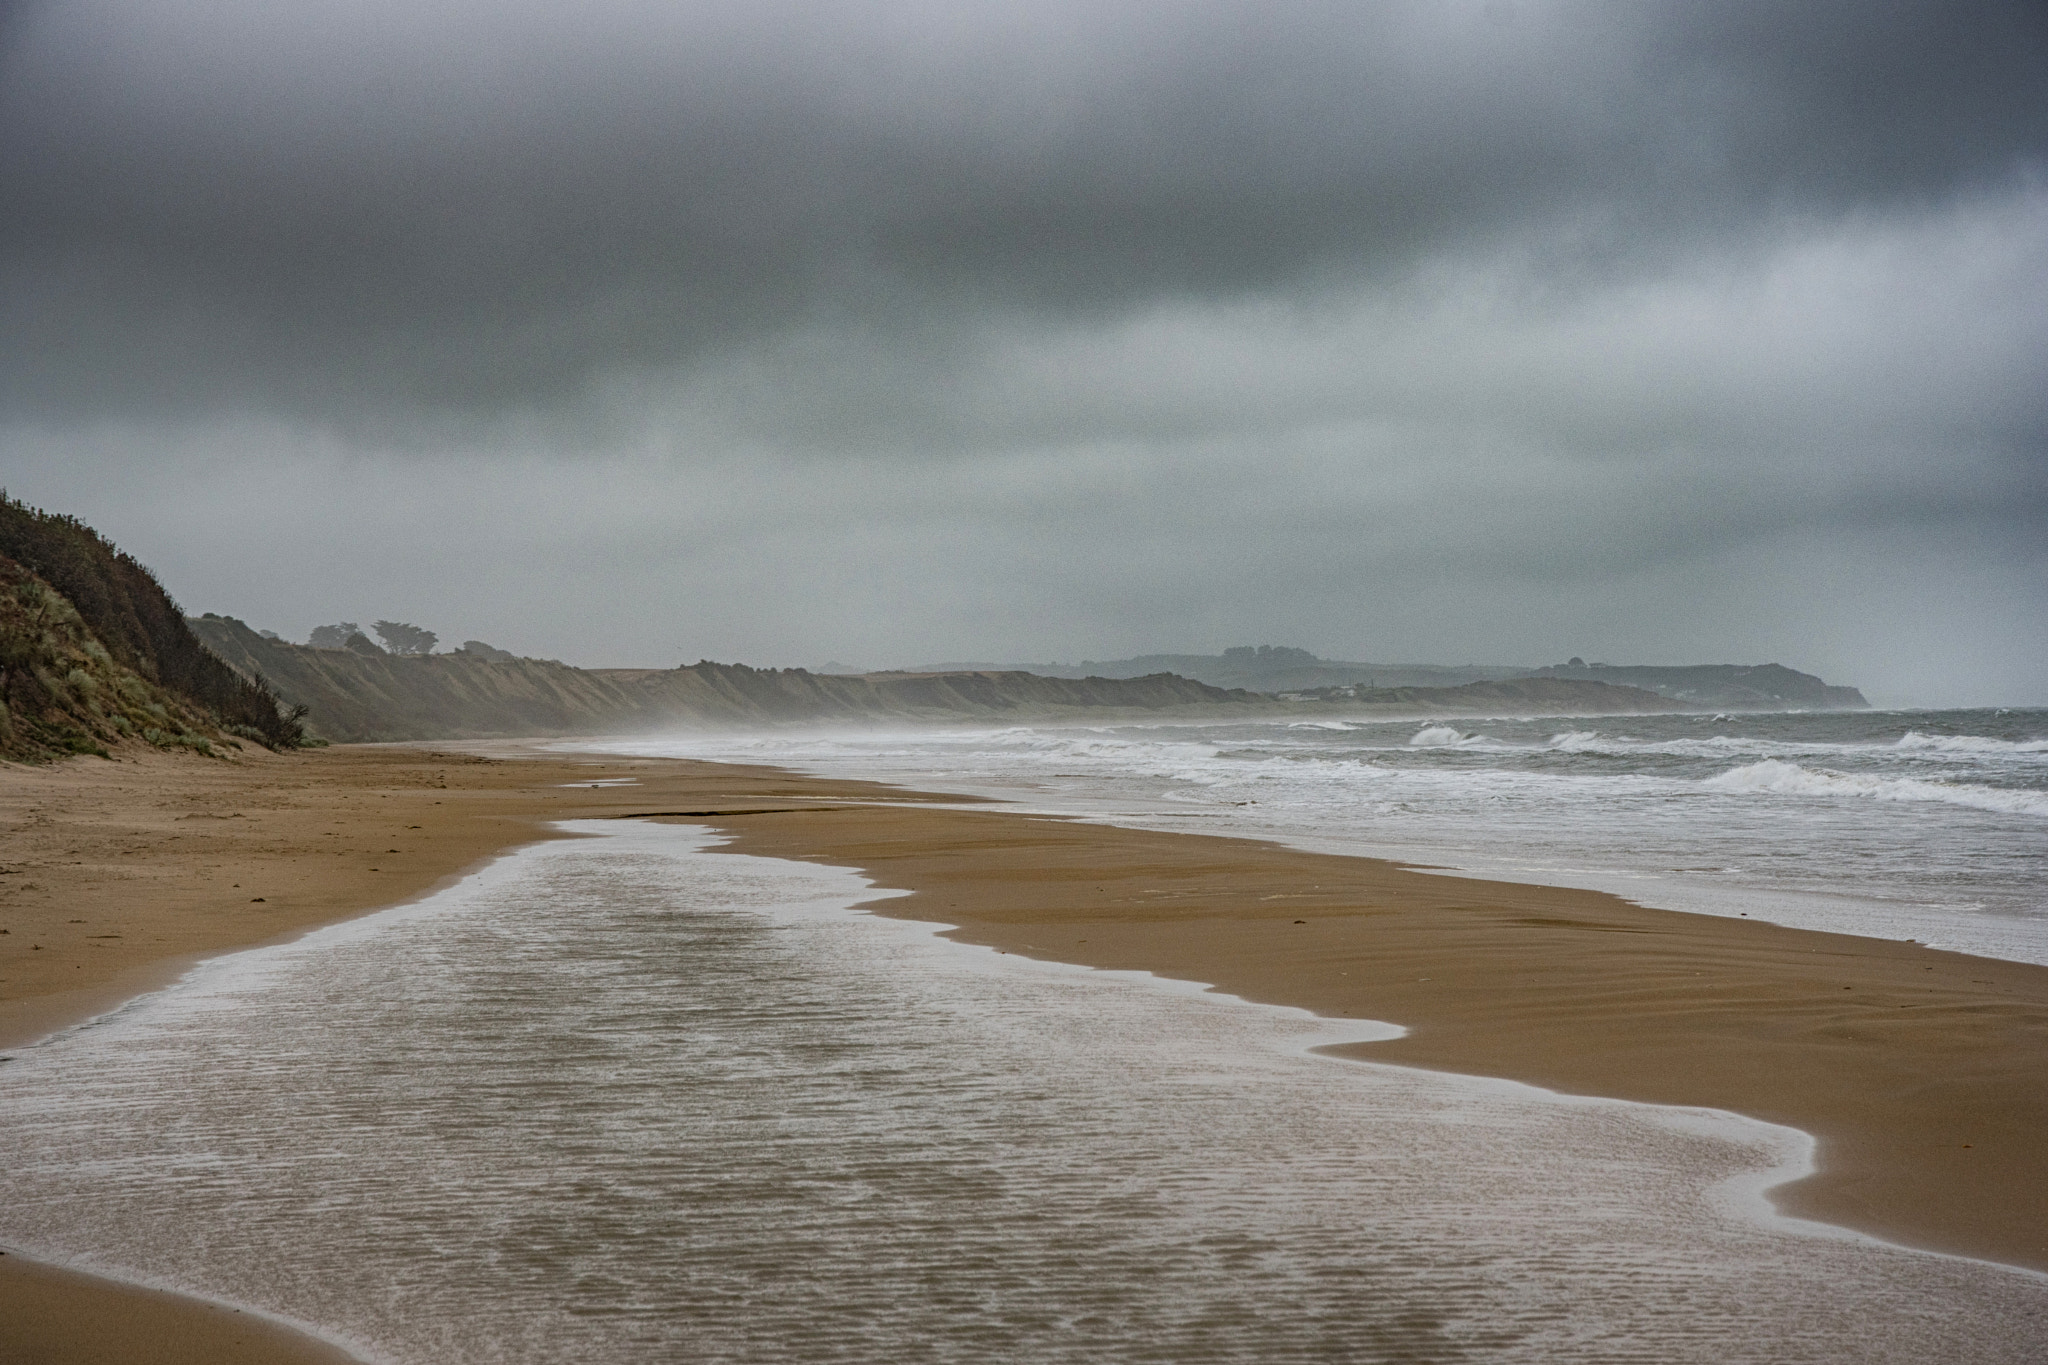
pixel 93 651
pixel 365 694
pixel 1283 669
pixel 1744 687
pixel 354 696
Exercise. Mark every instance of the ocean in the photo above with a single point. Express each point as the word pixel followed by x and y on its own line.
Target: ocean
pixel 629 1098
pixel 1924 825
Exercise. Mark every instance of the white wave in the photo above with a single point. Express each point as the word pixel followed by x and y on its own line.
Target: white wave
pixel 1777 776
pixel 1737 746
pixel 1439 737
pixel 1970 744
pixel 1713 746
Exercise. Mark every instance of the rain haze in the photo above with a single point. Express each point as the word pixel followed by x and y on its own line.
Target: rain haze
pixel 634 333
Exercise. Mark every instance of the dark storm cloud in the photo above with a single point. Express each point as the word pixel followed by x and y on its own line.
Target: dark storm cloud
pixel 629 331
pixel 391 212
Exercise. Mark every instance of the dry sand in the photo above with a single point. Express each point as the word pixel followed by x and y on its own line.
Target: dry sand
pixel 1924 1074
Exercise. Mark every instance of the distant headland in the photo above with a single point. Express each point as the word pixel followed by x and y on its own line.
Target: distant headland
pixel 1283 669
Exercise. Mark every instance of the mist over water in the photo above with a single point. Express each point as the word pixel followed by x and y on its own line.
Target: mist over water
pixel 1928 825
pixel 625 1100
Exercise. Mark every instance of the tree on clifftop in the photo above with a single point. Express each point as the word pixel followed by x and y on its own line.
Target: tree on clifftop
pixel 334 636
pixel 400 638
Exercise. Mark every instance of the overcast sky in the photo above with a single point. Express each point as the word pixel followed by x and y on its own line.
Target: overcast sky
pixel 633 333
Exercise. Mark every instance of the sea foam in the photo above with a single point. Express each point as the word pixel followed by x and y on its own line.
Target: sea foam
pixel 1971 744
pixel 1782 778
pixel 1924 826
pixel 1441 736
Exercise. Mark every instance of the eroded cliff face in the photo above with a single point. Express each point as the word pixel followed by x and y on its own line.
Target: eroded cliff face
pixel 353 697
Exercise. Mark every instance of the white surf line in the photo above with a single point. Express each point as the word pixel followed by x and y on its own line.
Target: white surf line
pixel 1085 810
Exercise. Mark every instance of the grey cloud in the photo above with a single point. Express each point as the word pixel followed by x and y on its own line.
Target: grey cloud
pixel 1934 323
pixel 637 332
pixel 1914 583
pixel 396 214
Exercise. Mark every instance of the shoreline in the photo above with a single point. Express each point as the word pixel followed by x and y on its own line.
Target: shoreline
pixel 1920 1074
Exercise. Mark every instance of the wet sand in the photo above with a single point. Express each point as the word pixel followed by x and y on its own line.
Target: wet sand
pixel 1923 1074
pixel 50 1316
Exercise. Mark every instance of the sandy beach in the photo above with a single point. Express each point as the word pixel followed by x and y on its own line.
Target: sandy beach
pixel 1921 1073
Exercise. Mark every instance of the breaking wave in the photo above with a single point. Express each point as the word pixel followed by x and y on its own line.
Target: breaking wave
pixel 1970 744
pixel 1912 746
pixel 1777 776
pixel 1441 737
